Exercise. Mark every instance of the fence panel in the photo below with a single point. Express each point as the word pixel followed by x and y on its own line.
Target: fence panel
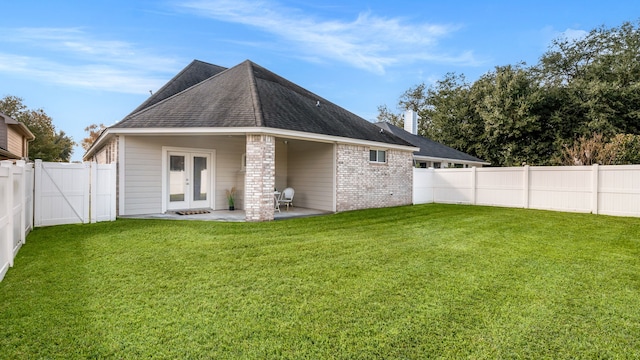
pixel 103 192
pixel 619 190
pixel 18 207
pixel 500 187
pixel 563 188
pixel 6 221
pixel 422 186
pixel 453 186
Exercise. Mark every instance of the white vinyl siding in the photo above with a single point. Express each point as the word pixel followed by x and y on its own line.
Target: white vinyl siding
pixel 143 168
pixel 15 142
pixel 282 164
pixel 143 180
pixel 228 173
pixel 311 173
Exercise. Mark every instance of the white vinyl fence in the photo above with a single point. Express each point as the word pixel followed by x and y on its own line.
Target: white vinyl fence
pixel 15 181
pixel 609 190
pixel 51 194
pixel 63 193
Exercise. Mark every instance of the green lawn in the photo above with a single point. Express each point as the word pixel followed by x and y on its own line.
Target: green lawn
pixel 430 281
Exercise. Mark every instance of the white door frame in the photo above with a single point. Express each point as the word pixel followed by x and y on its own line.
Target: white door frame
pixel 189 152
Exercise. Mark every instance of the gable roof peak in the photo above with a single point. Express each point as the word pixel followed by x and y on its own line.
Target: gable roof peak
pixel 194 73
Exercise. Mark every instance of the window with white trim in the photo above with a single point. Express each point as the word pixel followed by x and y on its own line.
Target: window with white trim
pixel 378 156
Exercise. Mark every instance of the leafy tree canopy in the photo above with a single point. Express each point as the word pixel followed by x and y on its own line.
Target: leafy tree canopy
pixel 49 144
pixel 94 131
pixel 518 114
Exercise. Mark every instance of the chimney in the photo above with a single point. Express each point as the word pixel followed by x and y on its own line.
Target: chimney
pixel 411 121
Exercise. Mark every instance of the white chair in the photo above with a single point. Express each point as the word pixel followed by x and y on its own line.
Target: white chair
pixel 276 200
pixel 286 198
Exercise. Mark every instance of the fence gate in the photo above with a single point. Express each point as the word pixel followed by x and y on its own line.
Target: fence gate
pixel 62 193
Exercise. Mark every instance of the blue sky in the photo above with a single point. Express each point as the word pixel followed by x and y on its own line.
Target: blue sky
pixel 88 62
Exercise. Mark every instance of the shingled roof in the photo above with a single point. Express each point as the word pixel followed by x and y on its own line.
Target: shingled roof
pixel 194 73
pixel 428 147
pixel 248 95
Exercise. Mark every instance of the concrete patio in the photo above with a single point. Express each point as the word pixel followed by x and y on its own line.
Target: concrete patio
pixel 226 215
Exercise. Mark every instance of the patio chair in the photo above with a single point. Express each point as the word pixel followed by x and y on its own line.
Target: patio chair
pixel 286 198
pixel 276 200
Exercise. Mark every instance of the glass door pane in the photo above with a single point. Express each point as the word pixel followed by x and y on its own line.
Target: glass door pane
pixel 177 178
pixel 200 178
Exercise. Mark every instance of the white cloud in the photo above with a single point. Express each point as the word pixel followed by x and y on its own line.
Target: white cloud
pixel 368 42
pixel 574 34
pixel 70 56
pixel 549 33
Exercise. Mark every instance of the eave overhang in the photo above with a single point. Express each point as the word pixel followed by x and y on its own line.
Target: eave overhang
pixel 208 131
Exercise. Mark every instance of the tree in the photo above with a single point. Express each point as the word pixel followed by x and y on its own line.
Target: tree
pixel 622 149
pixel 599 76
pixel 48 145
pixel 450 117
pixel 385 115
pixel 585 151
pixel 509 103
pixel 517 114
pixel 94 131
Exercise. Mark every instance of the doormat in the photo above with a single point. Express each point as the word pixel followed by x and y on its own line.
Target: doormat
pixel 192 212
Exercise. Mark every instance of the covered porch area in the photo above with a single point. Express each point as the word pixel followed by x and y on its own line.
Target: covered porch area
pixel 164 174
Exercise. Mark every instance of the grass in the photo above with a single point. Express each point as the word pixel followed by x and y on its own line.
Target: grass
pixel 430 281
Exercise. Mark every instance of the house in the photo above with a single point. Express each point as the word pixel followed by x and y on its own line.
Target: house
pixel 14 139
pixel 210 129
pixel 431 153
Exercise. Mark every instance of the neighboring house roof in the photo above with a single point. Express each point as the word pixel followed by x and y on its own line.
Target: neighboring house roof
pixel 428 147
pixel 248 96
pixel 20 127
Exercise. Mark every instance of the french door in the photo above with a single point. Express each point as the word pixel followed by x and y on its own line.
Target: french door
pixel 189 177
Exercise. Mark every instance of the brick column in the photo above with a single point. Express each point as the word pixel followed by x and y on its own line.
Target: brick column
pixel 259 178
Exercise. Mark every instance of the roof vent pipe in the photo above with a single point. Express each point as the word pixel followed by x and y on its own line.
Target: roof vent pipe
pixel 411 121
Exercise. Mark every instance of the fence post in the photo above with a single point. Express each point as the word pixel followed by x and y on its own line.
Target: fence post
pixel 8 201
pixel 525 186
pixel 113 181
pixel 595 172
pixel 87 191
pixel 29 195
pixel 23 200
pixel 37 194
pixel 93 192
pixel 474 185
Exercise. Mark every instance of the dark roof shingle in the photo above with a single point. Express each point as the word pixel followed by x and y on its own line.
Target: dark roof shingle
pixel 427 146
pixel 194 73
pixel 248 95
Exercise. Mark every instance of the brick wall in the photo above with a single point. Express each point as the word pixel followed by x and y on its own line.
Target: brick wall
pixel 108 154
pixel 361 184
pixel 259 178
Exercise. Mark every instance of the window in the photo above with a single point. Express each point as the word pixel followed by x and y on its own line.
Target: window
pixel 379 156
